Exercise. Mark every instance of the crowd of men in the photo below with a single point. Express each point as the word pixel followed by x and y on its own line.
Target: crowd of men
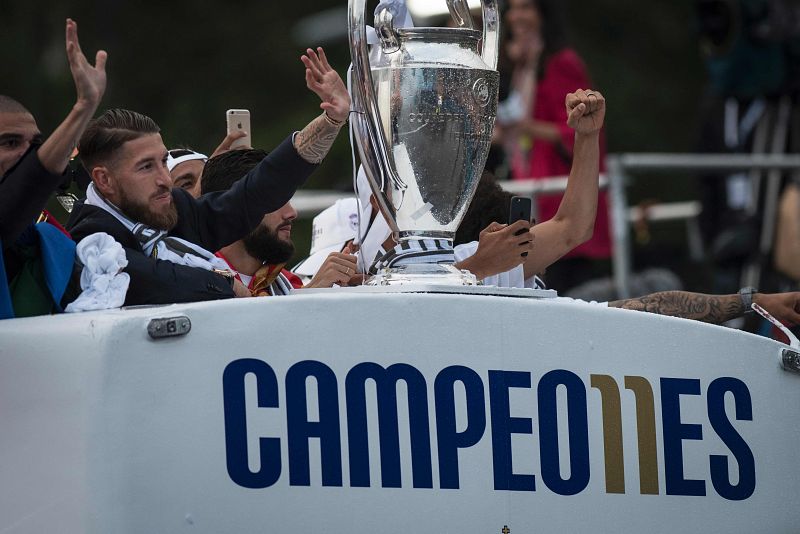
pixel 161 226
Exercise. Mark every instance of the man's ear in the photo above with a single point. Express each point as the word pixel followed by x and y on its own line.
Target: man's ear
pixel 103 181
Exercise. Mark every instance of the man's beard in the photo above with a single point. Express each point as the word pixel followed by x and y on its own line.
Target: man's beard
pixel 265 245
pixel 142 213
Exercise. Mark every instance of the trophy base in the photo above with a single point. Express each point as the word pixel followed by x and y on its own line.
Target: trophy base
pixel 423 274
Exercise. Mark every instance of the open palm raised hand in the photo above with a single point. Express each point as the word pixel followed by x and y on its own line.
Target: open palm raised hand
pixel 90 82
pixel 327 84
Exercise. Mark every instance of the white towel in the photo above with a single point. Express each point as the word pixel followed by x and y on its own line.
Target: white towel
pixel 103 283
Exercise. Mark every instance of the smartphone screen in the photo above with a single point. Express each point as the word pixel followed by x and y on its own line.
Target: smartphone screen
pixel 239 120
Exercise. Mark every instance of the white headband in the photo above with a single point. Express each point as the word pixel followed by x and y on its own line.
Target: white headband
pixel 190 155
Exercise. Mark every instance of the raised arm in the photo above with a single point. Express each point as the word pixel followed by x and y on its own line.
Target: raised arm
pixel 315 140
pixel 715 309
pixel 27 187
pixel 90 85
pixel 573 224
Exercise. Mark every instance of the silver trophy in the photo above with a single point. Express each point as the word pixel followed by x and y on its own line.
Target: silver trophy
pixel 425 101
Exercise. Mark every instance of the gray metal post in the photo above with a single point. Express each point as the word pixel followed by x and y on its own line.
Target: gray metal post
pixel 620 234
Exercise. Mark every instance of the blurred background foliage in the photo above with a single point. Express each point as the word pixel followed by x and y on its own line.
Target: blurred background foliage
pixel 185 62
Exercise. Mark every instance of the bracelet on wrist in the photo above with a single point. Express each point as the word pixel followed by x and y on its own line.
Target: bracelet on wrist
pixel 746 295
pixel 333 122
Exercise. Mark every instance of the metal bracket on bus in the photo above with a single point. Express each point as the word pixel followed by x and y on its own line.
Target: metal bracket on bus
pixel 169 327
pixel 790 358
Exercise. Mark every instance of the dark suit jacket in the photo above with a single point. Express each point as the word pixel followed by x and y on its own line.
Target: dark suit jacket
pixel 213 221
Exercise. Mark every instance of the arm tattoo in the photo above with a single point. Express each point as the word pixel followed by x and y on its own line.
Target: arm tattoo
pixel 715 309
pixel 315 140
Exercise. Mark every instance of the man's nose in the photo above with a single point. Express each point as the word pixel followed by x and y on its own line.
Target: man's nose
pixel 291 213
pixel 164 178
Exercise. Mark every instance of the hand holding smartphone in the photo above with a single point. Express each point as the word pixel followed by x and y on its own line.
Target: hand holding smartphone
pixel 520 210
pixel 239 120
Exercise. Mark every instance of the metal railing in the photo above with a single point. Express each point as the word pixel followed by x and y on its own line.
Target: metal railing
pixel 621 168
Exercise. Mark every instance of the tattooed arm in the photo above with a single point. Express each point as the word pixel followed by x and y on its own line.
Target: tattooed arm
pixel 715 309
pixel 316 139
pixel 707 308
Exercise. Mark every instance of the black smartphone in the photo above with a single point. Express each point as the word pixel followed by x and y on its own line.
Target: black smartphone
pixel 520 209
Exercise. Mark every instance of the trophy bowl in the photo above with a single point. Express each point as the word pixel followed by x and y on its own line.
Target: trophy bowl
pixel 425 101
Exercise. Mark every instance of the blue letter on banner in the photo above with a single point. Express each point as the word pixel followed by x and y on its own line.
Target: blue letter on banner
pixel 236 424
pixel 724 429
pixel 503 425
pixel 357 432
pixel 301 429
pixel 674 434
pixel 578 425
pixel 449 439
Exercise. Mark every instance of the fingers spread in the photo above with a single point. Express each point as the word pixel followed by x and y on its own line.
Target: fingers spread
pixel 312 62
pixel 72 34
pixel 311 82
pixel 100 60
pixel 323 59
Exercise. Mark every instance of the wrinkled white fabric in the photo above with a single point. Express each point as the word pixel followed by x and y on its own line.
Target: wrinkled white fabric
pixel 513 278
pixel 103 283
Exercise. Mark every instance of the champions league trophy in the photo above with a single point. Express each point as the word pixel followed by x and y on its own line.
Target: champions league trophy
pixel 425 101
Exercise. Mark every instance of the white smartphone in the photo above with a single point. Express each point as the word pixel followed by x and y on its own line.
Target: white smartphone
pixel 239 119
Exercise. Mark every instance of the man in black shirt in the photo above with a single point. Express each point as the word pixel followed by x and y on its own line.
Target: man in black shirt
pixel 29 173
pixel 169 237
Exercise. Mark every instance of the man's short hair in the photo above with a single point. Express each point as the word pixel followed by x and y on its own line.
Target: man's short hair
pixel 490 204
pixel 108 132
pixel 222 171
pixel 9 105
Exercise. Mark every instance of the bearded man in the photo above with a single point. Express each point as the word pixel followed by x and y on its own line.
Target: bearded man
pixel 259 258
pixel 168 235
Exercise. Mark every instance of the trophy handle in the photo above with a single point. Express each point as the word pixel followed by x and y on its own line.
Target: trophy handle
pixel 459 11
pixel 491 31
pixel 384 27
pixel 365 103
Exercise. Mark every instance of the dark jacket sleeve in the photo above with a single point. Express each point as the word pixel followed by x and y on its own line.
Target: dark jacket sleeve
pixel 24 192
pixel 152 281
pixel 163 282
pixel 216 220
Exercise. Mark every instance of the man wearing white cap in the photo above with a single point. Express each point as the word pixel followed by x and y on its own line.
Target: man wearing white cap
pixel 185 167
